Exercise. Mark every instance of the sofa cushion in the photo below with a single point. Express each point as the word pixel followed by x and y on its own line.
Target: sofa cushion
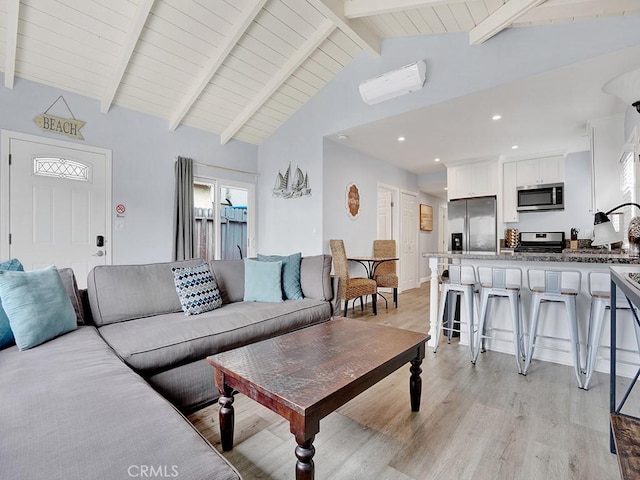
pixel 153 344
pixel 315 277
pixel 37 305
pixel 73 411
pixel 196 288
pixel 229 276
pixel 122 292
pixel 13 265
pixel 190 387
pixel 262 281
pixel 291 289
pixel 6 335
pixel 71 286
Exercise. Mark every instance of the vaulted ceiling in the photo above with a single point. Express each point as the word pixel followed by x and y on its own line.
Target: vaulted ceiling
pixel 238 68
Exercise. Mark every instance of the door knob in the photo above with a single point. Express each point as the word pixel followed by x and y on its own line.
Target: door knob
pixel 99 253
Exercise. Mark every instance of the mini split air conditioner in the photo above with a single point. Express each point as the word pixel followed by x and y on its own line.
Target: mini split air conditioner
pixel 393 84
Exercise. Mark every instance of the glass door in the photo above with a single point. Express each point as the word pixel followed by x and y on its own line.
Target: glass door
pixel 233 231
pixel 204 230
pixel 224 222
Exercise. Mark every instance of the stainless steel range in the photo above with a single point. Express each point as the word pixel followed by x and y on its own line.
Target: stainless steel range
pixel 540 242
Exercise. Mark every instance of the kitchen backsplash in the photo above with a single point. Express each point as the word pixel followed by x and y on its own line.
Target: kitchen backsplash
pixel 583 244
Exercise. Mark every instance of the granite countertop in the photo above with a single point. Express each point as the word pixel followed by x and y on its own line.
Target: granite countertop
pixel 581 256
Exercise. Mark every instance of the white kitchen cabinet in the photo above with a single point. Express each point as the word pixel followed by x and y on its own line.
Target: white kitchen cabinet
pixel 539 171
pixel 509 192
pixel 472 180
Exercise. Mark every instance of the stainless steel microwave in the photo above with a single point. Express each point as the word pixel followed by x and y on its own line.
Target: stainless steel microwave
pixel 541 197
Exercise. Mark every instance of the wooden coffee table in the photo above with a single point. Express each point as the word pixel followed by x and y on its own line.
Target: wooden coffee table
pixel 307 374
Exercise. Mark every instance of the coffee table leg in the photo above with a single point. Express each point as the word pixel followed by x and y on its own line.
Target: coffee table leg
pixel 304 466
pixel 227 418
pixel 415 384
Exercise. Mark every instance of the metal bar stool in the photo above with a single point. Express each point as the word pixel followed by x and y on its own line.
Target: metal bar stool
pixel 462 282
pixel 552 290
pixel 600 302
pixel 498 283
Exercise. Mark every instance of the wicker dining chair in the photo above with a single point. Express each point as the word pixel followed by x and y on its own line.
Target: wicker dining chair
pixel 385 273
pixel 350 288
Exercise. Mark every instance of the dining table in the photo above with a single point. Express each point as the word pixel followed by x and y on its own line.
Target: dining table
pixel 371 263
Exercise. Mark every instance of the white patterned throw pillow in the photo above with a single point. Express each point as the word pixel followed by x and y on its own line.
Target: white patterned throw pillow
pixel 197 290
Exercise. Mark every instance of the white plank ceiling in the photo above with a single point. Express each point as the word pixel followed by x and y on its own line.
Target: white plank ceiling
pixel 238 68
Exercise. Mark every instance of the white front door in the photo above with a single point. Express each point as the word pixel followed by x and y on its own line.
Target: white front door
pixel 409 241
pixel 59 200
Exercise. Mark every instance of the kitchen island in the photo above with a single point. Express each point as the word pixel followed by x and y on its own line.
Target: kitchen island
pixel 553 331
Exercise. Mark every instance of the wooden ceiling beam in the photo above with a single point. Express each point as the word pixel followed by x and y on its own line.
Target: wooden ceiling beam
pixel 573 9
pixel 555 3
pixel 13 16
pixel 355 29
pixel 113 82
pixel 294 62
pixel 215 62
pixel 367 8
pixel 501 19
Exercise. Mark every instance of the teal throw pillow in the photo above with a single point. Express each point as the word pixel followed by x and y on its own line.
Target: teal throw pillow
pixel 6 335
pixel 291 289
pixel 37 305
pixel 262 281
pixel 197 290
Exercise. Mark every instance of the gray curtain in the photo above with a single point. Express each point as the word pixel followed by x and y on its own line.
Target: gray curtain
pixel 183 221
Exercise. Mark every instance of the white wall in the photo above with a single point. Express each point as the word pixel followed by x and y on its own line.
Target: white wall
pixel 631 121
pixel 576 213
pixel 429 240
pixel 144 152
pixel 454 68
pixel 342 166
pixel 608 139
pixel 434 183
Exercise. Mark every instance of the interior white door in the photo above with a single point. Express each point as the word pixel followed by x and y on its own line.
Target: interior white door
pixel 409 241
pixel 58 210
pixel 385 215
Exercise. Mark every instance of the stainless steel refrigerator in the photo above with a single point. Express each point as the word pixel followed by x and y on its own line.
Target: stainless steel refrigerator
pixel 472 225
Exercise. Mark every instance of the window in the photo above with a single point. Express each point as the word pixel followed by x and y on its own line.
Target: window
pixel 204 229
pixel 627 186
pixel 223 220
pixel 233 223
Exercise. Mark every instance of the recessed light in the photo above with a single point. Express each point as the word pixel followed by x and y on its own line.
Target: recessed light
pixel 446 188
pixel 342 137
pixel 436 159
pixel 401 139
pixel 514 147
pixel 496 117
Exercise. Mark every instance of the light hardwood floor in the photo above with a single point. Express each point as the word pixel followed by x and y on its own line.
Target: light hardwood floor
pixel 482 422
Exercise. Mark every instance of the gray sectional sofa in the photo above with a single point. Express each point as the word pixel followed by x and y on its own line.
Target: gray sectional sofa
pixel 82 405
pixel 72 410
pixel 138 313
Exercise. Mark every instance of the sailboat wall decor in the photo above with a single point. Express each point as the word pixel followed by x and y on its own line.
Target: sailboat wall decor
pixel 298 187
